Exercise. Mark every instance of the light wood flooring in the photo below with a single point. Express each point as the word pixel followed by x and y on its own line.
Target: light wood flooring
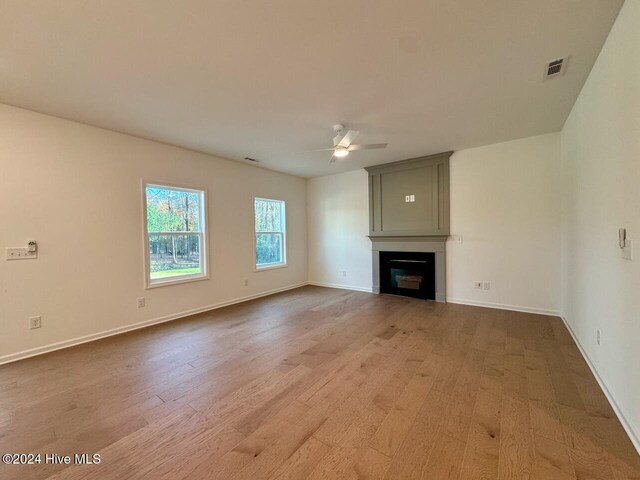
pixel 321 384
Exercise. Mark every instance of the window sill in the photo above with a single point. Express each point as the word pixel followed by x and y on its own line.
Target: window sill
pixel 177 281
pixel 269 267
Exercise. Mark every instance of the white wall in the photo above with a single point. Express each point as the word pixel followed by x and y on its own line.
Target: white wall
pixel 338 216
pixel 601 180
pixel 77 191
pixel 504 203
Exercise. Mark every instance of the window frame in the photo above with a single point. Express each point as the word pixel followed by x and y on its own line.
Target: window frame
pixel 283 233
pixel 203 233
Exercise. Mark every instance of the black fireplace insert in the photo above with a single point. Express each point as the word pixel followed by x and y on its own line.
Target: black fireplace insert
pixel 411 274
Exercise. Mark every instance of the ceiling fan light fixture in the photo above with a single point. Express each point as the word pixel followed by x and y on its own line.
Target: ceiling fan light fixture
pixel 341 152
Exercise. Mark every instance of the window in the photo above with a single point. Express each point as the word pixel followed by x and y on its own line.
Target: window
pixel 175 240
pixel 270 237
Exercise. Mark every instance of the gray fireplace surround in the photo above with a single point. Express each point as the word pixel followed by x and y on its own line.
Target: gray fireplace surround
pixel 409 212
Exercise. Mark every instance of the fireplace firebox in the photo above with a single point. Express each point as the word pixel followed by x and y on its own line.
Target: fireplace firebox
pixel 411 274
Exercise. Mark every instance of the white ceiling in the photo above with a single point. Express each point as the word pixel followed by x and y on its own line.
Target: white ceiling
pixel 268 79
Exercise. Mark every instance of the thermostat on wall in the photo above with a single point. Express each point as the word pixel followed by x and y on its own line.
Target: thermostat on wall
pixel 22 253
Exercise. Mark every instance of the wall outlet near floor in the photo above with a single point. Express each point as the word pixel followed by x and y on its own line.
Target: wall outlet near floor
pixel 344 273
pixel 482 285
pixel 246 282
pixel 35 322
pixel 598 336
pixel 141 302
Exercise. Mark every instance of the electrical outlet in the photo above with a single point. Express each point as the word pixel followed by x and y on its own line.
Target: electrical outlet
pixel 246 282
pixel 344 273
pixel 486 285
pixel 598 336
pixel 35 322
pixel 141 302
pixel 477 285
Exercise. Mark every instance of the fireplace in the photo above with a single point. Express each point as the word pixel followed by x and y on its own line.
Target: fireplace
pixel 409 226
pixel 411 274
pixel 430 250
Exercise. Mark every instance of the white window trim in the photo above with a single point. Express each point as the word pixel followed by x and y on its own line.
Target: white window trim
pixel 204 236
pixel 283 264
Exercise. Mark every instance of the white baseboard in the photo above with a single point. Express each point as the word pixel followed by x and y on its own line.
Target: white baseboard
pixel 633 433
pixel 136 326
pixel 501 306
pixel 343 287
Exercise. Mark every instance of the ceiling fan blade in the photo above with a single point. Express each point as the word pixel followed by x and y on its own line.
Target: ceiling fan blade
pixel 348 138
pixel 367 147
pixel 322 150
pixel 332 159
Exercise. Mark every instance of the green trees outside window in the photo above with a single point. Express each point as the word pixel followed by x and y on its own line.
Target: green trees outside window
pixel 175 227
pixel 270 237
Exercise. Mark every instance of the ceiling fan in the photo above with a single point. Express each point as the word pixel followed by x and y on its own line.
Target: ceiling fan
pixel 343 143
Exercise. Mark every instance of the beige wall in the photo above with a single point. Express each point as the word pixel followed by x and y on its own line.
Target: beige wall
pixel 504 203
pixel 338 215
pixel 601 181
pixel 77 191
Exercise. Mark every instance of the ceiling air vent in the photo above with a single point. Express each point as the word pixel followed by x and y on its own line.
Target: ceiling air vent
pixel 555 68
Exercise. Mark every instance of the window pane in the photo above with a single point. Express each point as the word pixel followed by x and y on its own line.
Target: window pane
pixel 268 215
pixel 171 210
pixel 268 248
pixel 174 255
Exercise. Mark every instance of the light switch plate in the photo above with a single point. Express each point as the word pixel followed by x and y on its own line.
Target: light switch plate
pixel 20 253
pixel 627 251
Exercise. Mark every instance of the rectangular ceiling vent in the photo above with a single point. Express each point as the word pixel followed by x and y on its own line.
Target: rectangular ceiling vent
pixel 555 68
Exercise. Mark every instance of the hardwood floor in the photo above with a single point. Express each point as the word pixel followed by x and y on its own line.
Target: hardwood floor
pixel 321 384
